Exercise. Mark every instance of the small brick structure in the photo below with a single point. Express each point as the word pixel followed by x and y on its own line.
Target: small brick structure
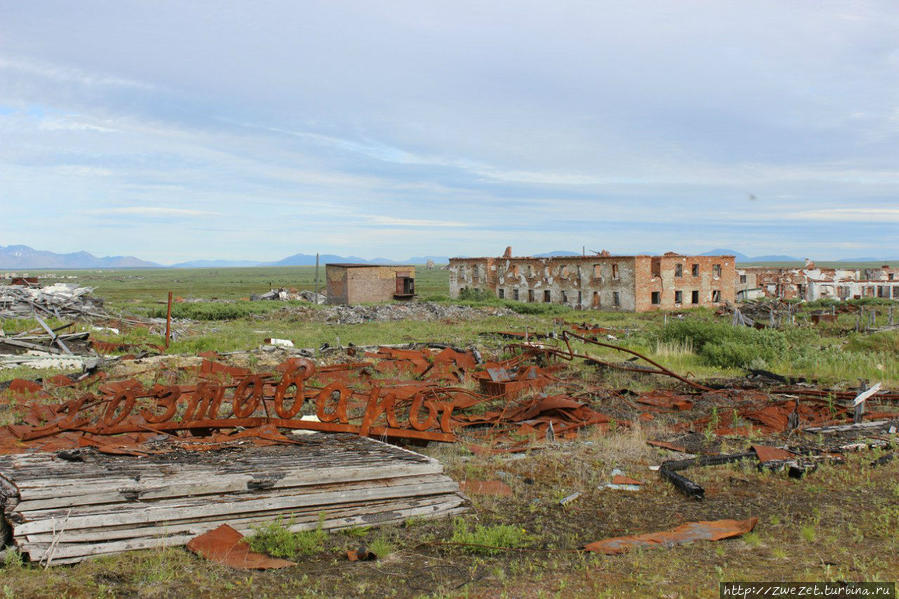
pixel 601 282
pixel 369 283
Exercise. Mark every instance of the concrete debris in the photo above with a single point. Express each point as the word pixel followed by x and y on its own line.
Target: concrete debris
pixel 62 300
pixel 409 311
pixel 284 295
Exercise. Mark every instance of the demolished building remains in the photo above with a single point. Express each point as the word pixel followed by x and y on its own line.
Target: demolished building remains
pixel 812 283
pixel 602 281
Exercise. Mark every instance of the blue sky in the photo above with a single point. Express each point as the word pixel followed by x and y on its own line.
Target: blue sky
pixel 176 131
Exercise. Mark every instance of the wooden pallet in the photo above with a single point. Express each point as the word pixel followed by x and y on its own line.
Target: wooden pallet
pixel 62 511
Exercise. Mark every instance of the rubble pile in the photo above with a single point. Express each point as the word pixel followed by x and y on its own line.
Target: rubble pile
pixel 284 295
pixel 62 300
pixel 409 311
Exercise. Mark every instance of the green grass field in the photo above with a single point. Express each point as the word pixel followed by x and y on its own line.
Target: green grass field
pixel 153 284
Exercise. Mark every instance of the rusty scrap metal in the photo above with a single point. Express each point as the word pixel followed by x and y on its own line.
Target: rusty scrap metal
pixel 226 546
pixel 714 530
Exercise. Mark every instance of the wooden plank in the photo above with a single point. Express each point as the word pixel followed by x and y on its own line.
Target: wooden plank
pixel 243 495
pixel 38 552
pixel 299 518
pixel 162 513
pixel 204 484
pixel 54 338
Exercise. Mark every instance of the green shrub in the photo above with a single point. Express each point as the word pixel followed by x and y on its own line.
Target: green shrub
pixel 381 547
pixel 216 310
pixel 725 346
pixel 535 308
pixel 476 295
pixel 488 540
pixel 276 539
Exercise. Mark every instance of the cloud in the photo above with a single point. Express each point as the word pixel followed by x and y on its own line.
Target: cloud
pixel 154 211
pixel 413 222
pixel 67 74
pixel 871 215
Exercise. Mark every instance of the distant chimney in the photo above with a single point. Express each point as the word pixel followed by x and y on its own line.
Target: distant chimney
pixel 508 252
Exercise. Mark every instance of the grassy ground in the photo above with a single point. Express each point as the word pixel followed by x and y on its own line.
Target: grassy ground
pixel 838 523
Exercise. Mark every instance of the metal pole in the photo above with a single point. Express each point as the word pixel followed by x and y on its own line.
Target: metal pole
pixel 168 322
pixel 316 277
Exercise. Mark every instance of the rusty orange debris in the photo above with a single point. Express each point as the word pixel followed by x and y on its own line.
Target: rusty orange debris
pixel 706 530
pixel 226 546
pixel 486 487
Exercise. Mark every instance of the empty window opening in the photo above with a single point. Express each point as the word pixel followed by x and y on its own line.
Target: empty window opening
pixel 616 299
pixel 656 298
pixel 742 278
pixel 502 293
pixel 579 299
pixel 716 295
pixel 531 295
pixel 564 298
pixel 716 270
pixel 678 297
pixel 615 271
pixel 694 297
pixel 597 271
pixel 596 299
pixel 515 294
pixel 678 270
pixel 547 296
pixel 694 269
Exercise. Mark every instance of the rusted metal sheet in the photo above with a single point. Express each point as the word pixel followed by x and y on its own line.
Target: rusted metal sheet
pixel 226 546
pixel 486 487
pixel 771 454
pixel 707 530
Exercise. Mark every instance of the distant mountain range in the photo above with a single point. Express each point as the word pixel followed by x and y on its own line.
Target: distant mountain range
pixel 22 256
pixel 19 257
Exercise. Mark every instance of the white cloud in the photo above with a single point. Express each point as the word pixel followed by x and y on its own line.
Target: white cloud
pixel 68 74
pixel 874 215
pixel 154 211
pixel 413 222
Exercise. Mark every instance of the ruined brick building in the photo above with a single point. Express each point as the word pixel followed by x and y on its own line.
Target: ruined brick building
pixel 369 283
pixel 601 282
pixel 811 283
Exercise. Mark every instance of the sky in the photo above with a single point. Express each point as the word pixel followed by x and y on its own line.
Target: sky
pixel 175 131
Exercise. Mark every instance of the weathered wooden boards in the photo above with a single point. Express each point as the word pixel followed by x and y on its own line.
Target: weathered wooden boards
pixel 68 506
